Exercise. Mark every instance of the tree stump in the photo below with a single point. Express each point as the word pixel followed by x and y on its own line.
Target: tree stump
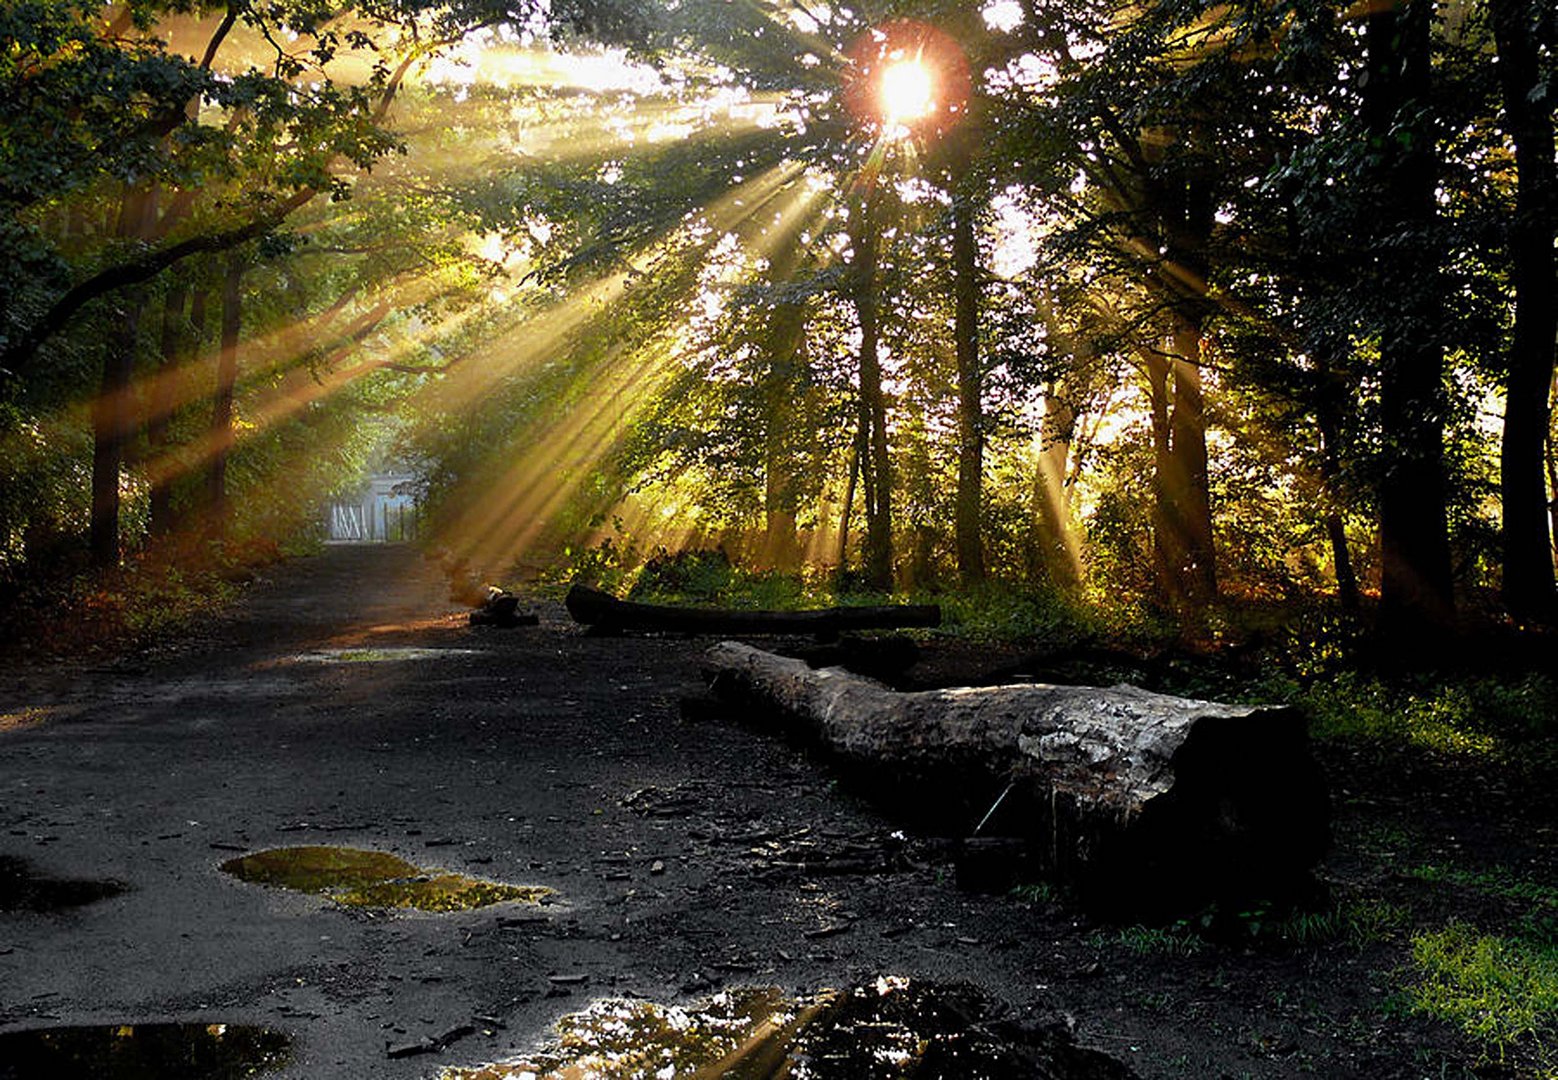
pixel 1142 803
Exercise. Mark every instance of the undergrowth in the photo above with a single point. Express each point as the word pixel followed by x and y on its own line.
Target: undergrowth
pixel 1498 989
pixel 151 595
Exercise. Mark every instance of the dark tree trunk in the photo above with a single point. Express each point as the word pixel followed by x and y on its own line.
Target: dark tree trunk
pixel 159 413
pixel 113 415
pixel 1328 409
pixel 1529 592
pixel 876 466
pixel 1552 476
pixel 971 435
pixel 1183 544
pixel 222 401
pixel 1416 601
pixel 112 425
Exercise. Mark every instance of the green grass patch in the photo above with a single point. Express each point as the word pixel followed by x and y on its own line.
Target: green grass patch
pixel 1478 716
pixel 1035 892
pixel 1498 882
pixel 1151 940
pixel 1496 989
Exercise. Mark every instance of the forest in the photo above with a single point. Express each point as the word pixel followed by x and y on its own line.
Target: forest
pixel 1205 346
pixel 1191 308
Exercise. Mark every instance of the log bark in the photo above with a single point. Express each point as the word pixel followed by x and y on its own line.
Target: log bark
pixel 607 614
pixel 1142 803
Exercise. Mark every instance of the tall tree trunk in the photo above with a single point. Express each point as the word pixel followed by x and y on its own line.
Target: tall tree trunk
pixel 1328 409
pixel 1168 548
pixel 785 426
pixel 1059 558
pixel 1192 501
pixel 1416 600
pixel 1180 198
pixel 112 425
pixel 222 401
pixel 159 414
pixel 112 413
pixel 1529 592
pixel 1552 475
pixel 856 457
pixel 876 468
pixel 971 435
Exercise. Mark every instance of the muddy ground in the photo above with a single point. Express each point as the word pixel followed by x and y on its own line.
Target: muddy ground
pixel 687 855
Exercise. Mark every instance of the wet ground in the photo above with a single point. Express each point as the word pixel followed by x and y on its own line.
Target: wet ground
pixel 347 704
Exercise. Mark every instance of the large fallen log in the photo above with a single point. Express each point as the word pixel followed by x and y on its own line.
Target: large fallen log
pixel 1141 802
pixel 606 614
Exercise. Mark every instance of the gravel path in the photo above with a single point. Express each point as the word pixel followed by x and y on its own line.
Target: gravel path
pixel 685 855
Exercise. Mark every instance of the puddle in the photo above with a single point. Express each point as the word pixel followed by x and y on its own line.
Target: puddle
pixel 23 890
pixel 894 1028
pixel 142 1052
pixel 375 879
pixel 379 655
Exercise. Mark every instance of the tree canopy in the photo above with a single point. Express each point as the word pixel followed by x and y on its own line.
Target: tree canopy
pixel 1204 305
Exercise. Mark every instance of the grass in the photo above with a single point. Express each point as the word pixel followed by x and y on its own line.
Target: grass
pixel 1498 882
pixel 1151 940
pixel 1497 989
pixel 1456 714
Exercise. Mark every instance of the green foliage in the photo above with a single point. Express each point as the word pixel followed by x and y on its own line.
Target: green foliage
pixel 1475 715
pixel 1152 941
pixel 1009 612
pixel 1496 881
pixel 1499 990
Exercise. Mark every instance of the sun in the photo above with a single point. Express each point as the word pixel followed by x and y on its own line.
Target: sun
pixel 908 92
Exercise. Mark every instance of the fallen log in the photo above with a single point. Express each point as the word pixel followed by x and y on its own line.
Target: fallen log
pixel 604 613
pixel 1142 803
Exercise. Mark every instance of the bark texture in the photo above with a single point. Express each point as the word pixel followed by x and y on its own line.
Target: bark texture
pixel 1139 801
pixel 222 434
pixel 1416 600
pixel 1529 589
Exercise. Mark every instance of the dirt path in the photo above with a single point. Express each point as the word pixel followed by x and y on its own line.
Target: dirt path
pixel 538 756
pixel 686 856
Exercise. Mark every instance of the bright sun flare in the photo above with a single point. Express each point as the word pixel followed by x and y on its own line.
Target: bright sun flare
pixel 908 92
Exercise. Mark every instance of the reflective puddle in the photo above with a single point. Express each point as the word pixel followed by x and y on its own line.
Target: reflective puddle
pixel 22 889
pixel 894 1028
pixel 379 655
pixel 374 879
pixel 142 1052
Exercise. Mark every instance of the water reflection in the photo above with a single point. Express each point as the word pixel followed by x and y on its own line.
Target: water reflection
pixel 142 1052
pixel 374 879
pixel 893 1028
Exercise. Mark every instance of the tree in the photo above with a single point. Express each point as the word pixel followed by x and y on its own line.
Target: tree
pixel 1520 29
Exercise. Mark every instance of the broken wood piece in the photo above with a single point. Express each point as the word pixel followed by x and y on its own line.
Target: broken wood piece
pixel 604 613
pixel 1141 802
pixel 501 608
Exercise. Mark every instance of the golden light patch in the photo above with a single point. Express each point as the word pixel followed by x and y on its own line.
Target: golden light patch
pixel 28 717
